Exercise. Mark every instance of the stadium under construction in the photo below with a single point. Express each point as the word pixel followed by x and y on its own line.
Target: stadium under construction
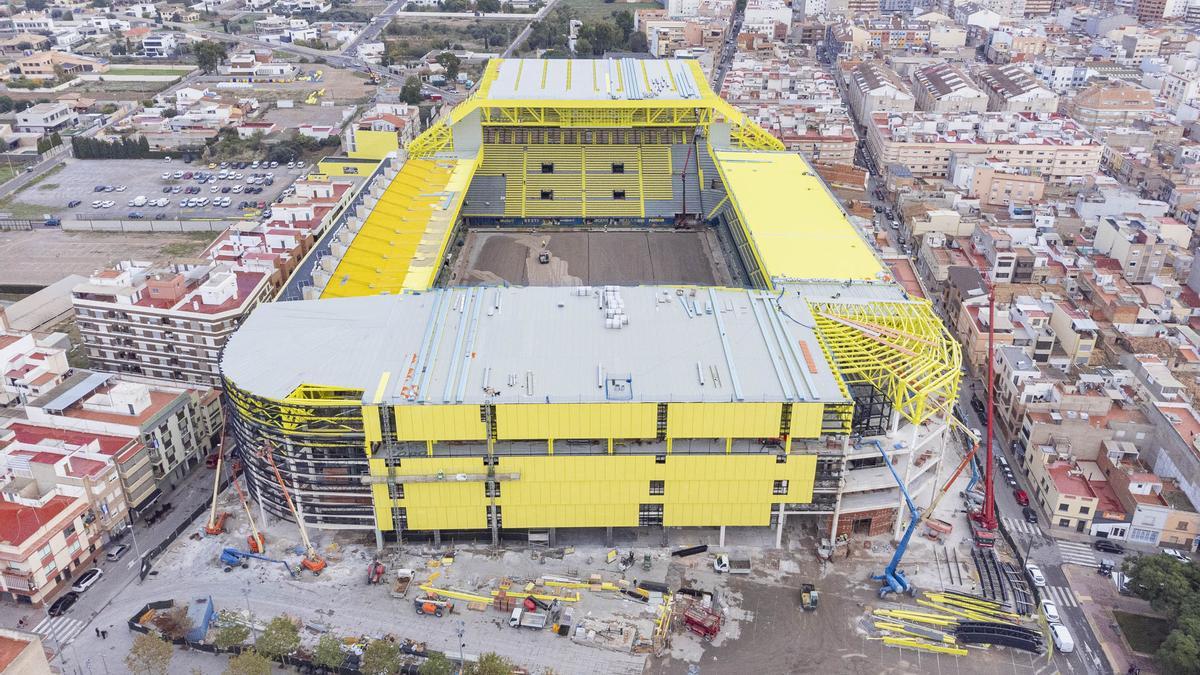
pixel 496 336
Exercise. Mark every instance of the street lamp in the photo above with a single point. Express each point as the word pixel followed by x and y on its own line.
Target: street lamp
pixel 462 643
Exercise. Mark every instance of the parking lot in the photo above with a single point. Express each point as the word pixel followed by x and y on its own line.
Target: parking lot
pixel 107 190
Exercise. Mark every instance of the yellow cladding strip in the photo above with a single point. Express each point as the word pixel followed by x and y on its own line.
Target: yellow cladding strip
pixel 539 596
pixel 545 70
pixel 520 68
pixel 798 230
pixel 382 388
pixel 457 595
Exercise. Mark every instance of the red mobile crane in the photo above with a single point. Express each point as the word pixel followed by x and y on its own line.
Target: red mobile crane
pixel 312 561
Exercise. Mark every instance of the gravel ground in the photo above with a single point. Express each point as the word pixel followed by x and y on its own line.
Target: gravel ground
pixel 41 257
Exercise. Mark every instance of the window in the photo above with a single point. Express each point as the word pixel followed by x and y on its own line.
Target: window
pixel 1064 522
pixel 396 490
pixel 650 514
pixel 69 530
pixel 618 194
pixel 780 487
pixel 660 459
pixel 1084 510
pixel 1182 526
pixel 1063 507
pixel 781 459
pixel 618 167
pixel 547 167
pixel 657 488
pixel 491 489
pixel 547 194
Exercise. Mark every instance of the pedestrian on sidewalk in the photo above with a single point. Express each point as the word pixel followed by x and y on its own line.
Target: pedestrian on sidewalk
pixel 97 631
pixel 104 634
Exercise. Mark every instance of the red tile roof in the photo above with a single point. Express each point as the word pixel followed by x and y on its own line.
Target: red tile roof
pixel 19 522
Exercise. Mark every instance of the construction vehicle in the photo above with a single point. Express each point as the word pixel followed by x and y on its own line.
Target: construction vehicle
pixel 809 597
pixel 255 541
pixel 232 557
pixel 431 604
pixel 728 565
pixel 375 572
pixel 702 622
pixel 523 618
pixel 936 529
pixel 404 579
pixel 312 561
pixel 894 580
pixel 216 522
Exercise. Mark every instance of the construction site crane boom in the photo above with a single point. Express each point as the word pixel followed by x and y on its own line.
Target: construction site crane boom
pixel 216 524
pixel 895 581
pixel 961 466
pixel 312 561
pixel 256 541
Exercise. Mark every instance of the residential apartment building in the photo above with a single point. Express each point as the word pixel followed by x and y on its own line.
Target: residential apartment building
pixel 994 183
pixel 46 65
pixel 946 88
pixel 1052 147
pixel 179 426
pixel 1012 88
pixel 873 87
pixel 29 366
pixel 159 46
pixel 1075 332
pixel 1110 103
pixel 46 118
pixel 167 321
pixel 1136 244
pixel 44 540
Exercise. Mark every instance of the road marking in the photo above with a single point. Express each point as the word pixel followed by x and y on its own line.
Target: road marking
pixel 61 629
pixel 1076 553
pixel 1063 596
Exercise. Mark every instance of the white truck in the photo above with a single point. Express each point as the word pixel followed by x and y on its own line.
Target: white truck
pixel 731 565
pixel 523 618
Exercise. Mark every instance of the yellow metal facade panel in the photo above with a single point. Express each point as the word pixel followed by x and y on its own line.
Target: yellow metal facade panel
pixel 806 420
pixel 576 420
pixel 371 430
pixel 724 420
pixel 599 491
pixel 439 423
pixel 797 228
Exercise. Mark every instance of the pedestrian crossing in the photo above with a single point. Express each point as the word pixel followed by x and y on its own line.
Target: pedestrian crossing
pixel 1077 553
pixel 1020 526
pixel 60 629
pixel 1062 596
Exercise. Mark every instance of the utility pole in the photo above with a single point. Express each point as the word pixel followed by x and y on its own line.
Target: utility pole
pixel 462 643
pixel 988 520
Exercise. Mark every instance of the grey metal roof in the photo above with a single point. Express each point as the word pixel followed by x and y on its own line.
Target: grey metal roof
pixel 81 384
pixel 538 344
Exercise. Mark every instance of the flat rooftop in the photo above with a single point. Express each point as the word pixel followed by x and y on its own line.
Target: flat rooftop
pixel 538 345
pixel 600 80
pixel 798 228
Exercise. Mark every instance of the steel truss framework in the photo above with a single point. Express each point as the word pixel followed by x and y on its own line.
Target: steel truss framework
pixel 899 347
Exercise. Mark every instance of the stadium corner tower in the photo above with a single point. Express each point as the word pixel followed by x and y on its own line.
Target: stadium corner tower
pixel 592 295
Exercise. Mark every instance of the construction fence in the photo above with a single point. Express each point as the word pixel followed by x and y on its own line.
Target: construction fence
pixel 80 224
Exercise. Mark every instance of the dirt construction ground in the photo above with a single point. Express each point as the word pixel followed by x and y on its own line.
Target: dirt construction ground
pixel 590 258
pixel 43 256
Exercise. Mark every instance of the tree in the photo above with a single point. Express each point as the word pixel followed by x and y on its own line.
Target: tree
pixel 410 93
pixel 487 6
pixel 637 43
pixel 1172 588
pixel 1179 653
pixel 624 21
pixel 583 47
pixel 248 662
pixel 437 664
pixel 490 664
pixel 231 636
pixel 281 638
pixel 150 655
pixel 209 54
pixel 6 104
pixel 175 622
pixel 381 657
pixel 451 62
pixel 329 652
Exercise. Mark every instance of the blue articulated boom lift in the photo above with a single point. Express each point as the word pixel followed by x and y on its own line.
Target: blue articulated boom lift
pixel 894 581
pixel 232 557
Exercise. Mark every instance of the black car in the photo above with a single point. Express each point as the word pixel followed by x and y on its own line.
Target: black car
pixel 1107 546
pixel 978 406
pixel 73 203
pixel 64 603
pixel 1030 515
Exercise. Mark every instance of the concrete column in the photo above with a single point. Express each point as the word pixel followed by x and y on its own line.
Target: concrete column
pixel 437 537
pixel 378 540
pixel 608 536
pixel 779 529
pixel 553 539
pixel 721 538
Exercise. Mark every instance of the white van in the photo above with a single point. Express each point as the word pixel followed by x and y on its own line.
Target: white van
pixel 139 200
pixel 1062 638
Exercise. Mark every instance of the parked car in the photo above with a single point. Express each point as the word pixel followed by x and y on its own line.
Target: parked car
pixel 1035 574
pixel 118 551
pixel 87 580
pixel 978 406
pixel 1062 638
pixel 62 604
pixel 73 203
pixel 1031 516
pixel 1050 610
pixel 1177 554
pixel 98 188
pixel 1022 497
pixel 1108 546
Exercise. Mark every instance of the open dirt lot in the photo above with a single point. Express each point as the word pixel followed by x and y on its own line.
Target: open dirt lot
pixel 42 257
pixel 77 180
pixel 590 258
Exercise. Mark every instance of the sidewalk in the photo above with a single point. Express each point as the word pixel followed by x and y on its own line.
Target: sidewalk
pixel 1097 598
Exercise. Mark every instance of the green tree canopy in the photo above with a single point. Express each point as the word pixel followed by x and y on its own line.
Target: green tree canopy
pixel 281 638
pixel 248 662
pixel 381 657
pixel 149 655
